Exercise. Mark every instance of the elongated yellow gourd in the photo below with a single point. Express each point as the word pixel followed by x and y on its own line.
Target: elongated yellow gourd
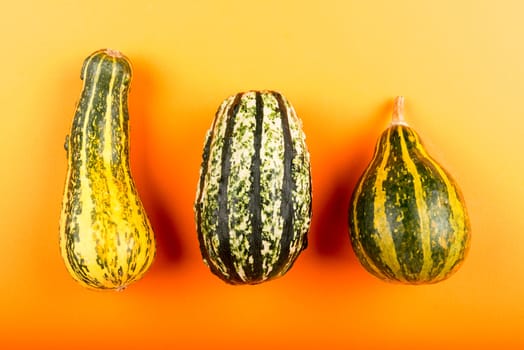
pixel 106 239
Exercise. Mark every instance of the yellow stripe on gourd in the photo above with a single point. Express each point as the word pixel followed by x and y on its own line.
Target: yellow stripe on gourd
pixel 108 135
pixel 422 209
pixel 459 217
pixel 86 194
pixel 356 224
pixel 384 238
pixel 131 208
pixel 93 185
pixel 113 224
pixel 357 241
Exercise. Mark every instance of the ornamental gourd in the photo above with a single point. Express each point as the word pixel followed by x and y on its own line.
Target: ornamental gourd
pixel 106 239
pixel 407 217
pixel 253 203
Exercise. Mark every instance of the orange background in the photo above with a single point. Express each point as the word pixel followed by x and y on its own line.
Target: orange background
pixel 460 65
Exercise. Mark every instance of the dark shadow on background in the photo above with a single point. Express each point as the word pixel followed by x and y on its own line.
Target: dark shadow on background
pixel 169 242
pixel 170 249
pixel 330 230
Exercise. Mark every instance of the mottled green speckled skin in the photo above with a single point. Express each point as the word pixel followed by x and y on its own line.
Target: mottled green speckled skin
pixel 253 205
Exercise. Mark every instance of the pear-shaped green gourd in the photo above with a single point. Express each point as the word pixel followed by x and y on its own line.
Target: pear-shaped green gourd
pixel 407 217
pixel 106 239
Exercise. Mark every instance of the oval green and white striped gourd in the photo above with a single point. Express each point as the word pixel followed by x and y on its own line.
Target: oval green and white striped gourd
pixel 253 205
pixel 407 218
pixel 106 239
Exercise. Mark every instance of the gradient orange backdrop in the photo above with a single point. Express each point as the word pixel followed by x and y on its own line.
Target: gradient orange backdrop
pixel 460 65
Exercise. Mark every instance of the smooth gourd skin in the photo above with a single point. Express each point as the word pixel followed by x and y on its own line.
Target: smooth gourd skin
pixel 106 239
pixel 253 204
pixel 407 218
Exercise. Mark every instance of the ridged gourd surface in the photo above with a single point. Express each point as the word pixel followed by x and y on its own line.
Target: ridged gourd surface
pixel 106 239
pixel 253 205
pixel 407 218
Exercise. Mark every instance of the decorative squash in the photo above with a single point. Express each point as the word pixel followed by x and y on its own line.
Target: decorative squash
pixel 253 203
pixel 407 218
pixel 106 239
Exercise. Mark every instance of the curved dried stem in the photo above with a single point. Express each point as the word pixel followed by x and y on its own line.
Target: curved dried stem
pixel 397 117
pixel 113 53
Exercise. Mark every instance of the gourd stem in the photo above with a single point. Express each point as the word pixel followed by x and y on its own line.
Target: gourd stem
pixel 113 53
pixel 398 112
